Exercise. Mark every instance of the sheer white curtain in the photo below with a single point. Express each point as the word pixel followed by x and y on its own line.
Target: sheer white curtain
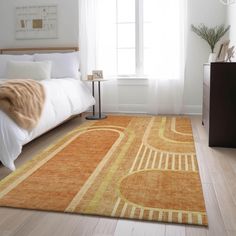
pixel 97 44
pixel 167 56
pixel 97 36
pixel 163 52
pixel 87 36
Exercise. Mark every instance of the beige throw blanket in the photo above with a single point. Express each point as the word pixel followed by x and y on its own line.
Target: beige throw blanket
pixel 22 100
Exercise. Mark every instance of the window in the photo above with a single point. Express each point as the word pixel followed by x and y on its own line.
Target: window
pixel 126 37
pixel 139 38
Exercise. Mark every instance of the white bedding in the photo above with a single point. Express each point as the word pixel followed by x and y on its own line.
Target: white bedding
pixel 64 98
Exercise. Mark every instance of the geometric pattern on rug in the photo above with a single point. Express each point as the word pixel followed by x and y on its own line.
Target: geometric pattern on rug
pixel 133 167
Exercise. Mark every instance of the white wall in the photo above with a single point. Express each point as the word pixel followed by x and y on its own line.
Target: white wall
pixel 211 13
pixel 231 20
pixel 67 24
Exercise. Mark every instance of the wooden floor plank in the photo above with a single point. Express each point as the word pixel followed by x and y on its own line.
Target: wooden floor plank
pixel 175 230
pixel 15 219
pixel 135 228
pixel 48 225
pixel 232 159
pixel 204 173
pixel 70 223
pixel 28 226
pixel 5 233
pixel 225 201
pixel 86 226
pixel 6 212
pixel 201 157
pixel 215 220
pixel 231 233
pixel 196 231
pixel 227 170
pixel 222 189
pixel 105 227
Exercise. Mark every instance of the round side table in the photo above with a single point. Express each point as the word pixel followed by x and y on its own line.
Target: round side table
pixel 99 115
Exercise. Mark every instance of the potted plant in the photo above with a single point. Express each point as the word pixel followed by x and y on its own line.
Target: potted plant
pixel 211 36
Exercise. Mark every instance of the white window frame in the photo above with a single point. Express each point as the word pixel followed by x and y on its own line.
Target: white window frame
pixel 139 46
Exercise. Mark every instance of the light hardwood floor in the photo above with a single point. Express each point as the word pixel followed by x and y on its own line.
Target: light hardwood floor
pixel 218 175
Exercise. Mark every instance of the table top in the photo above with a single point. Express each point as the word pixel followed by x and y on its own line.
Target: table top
pixel 94 80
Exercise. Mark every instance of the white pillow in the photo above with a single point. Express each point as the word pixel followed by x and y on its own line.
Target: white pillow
pixel 63 64
pixel 29 70
pixel 5 58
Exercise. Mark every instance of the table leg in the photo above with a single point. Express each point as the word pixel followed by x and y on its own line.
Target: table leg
pixel 94 97
pixel 99 100
pixel 98 116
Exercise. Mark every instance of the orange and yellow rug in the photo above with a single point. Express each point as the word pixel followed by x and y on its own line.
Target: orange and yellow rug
pixel 141 167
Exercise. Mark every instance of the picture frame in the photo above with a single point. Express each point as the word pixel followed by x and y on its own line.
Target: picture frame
pixel 36 22
pixel 223 51
pixel 90 77
pixel 98 74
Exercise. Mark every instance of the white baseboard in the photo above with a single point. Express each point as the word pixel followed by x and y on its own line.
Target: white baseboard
pixel 192 110
pixel 142 109
pixel 125 108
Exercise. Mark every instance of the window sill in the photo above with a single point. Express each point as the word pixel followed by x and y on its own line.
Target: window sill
pixel 128 78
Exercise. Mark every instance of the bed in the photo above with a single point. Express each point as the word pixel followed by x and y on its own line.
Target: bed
pixel 65 98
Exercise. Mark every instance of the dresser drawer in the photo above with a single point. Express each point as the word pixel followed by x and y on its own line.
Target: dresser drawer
pixel 220 115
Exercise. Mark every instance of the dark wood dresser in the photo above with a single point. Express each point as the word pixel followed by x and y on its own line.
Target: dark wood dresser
pixel 219 103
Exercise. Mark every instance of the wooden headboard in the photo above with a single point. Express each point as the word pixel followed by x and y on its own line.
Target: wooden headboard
pixel 37 50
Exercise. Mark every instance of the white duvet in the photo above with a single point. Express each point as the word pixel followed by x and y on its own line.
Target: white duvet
pixel 64 98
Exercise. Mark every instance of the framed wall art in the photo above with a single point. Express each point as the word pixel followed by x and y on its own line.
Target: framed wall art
pixel 36 22
pixel 98 74
pixel 223 51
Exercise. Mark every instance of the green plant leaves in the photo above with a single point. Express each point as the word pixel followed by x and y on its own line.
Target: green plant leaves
pixel 210 35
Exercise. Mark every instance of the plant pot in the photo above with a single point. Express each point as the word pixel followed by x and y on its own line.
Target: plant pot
pixel 212 57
